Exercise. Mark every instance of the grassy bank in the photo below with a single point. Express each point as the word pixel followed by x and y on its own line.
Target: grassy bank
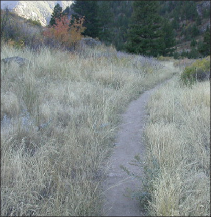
pixel 59 117
pixel 178 150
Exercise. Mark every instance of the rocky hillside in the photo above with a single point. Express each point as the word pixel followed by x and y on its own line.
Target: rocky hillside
pixel 35 10
pixel 190 20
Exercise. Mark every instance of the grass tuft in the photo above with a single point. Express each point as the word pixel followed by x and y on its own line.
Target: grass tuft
pixel 178 136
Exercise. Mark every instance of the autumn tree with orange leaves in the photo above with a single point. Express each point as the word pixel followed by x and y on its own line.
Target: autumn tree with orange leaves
pixel 66 31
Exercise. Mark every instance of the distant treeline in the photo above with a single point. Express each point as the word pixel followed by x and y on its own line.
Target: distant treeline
pixel 164 24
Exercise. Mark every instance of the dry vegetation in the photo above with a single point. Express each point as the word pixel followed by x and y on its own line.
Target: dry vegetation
pixel 59 117
pixel 178 150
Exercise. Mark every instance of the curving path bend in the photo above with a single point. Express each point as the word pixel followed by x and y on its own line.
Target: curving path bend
pixel 128 144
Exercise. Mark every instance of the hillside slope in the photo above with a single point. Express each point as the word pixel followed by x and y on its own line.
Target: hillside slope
pixel 189 19
pixel 36 10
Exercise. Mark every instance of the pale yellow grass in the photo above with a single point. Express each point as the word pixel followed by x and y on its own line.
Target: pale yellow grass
pixel 59 118
pixel 178 140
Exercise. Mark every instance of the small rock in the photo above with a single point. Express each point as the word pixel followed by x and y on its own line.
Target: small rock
pixel 19 60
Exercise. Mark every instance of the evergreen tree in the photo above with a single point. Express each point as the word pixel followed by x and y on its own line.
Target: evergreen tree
pixel 106 18
pixel 206 13
pixel 88 9
pixel 145 36
pixel 189 9
pixel 66 11
pixel 176 55
pixel 204 48
pixel 195 31
pixel 57 13
pixel 184 53
pixel 193 54
pixel 121 11
pixel 193 43
pixel 175 23
pixel 198 21
pixel 169 38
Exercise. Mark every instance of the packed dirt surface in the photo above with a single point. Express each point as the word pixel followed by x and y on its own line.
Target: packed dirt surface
pixel 128 144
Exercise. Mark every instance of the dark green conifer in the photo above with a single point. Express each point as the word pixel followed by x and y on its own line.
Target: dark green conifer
pixel 57 13
pixel 195 31
pixel 169 38
pixel 89 10
pixel 106 19
pixel 204 48
pixel 145 36
pixel 66 11
pixel 189 9
pixel 193 43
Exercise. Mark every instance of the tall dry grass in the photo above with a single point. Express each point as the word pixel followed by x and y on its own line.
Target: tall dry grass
pixel 58 122
pixel 178 150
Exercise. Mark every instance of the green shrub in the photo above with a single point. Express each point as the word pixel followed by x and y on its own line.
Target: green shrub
pixel 176 55
pixel 193 54
pixel 198 71
pixel 34 22
pixel 193 43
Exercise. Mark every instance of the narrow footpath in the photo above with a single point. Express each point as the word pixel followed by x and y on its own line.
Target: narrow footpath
pixel 128 144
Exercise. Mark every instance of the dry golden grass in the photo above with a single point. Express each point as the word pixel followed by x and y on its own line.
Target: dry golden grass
pixel 178 140
pixel 182 63
pixel 58 122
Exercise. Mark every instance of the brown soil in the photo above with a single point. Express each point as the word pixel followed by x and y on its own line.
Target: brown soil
pixel 128 144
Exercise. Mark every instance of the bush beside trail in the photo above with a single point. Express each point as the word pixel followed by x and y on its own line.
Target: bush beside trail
pixel 197 71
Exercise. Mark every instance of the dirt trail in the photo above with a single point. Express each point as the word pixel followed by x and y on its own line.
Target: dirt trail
pixel 128 144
